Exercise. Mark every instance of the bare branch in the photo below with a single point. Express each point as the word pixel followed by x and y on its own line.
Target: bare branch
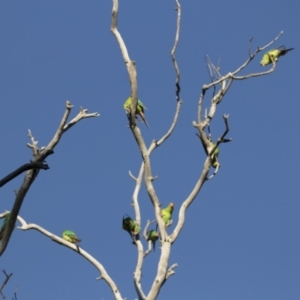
pixel 162 270
pixel 138 271
pixel 256 74
pixel 81 115
pixel 204 176
pixel 177 81
pixel 272 42
pixel 140 249
pixel 171 271
pixel 233 74
pixel 225 83
pixel 188 201
pixel 63 127
pixel 250 44
pixel 39 156
pixel 28 180
pixel 129 63
pixel 135 196
pixel 166 245
pixel 130 174
pixel 33 146
pixel 137 278
pixel 15 293
pixel 5 281
pixel 103 274
pixel 25 167
pixel 137 134
pixel 149 249
pixel 155 144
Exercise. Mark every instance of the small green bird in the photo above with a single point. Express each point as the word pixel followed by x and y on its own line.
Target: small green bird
pixel 70 236
pixel 139 109
pixel 166 214
pixel 130 226
pixel 152 236
pixel 214 162
pixel 4 224
pixel 273 55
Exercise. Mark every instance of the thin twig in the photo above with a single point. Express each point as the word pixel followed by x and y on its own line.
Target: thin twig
pixel 15 294
pixel 6 279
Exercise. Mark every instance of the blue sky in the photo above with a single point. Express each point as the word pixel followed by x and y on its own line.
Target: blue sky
pixel 241 236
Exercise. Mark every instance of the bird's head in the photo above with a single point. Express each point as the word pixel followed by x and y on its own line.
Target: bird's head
pixel 171 205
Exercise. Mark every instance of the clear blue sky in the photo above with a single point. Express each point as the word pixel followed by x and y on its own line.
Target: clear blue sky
pixel 241 237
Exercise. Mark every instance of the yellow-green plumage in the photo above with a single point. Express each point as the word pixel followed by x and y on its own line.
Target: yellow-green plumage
pixel 130 226
pixel 4 224
pixel 273 55
pixel 70 236
pixel 152 235
pixel 140 108
pixel 214 162
pixel 166 214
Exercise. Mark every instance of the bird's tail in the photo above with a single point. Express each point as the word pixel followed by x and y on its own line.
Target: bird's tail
pixel 144 119
pixel 284 51
pixel 287 50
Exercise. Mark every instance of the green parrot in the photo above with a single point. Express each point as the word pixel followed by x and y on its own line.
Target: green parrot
pixel 166 214
pixel 4 224
pixel 274 54
pixel 139 109
pixel 214 162
pixel 70 236
pixel 130 226
pixel 152 236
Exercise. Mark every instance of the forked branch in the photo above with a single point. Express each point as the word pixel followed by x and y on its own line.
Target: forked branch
pixel 7 277
pixel 39 155
pixel 251 57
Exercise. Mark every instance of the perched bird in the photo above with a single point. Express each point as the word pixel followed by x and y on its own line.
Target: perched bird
pixel 152 236
pixel 139 109
pixel 70 236
pixel 214 162
pixel 166 214
pixel 4 224
pixel 273 55
pixel 130 226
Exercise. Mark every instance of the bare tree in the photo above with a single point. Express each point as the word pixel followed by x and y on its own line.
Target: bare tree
pixel 218 87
